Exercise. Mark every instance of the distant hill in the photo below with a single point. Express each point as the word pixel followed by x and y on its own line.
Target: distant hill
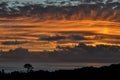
pixel 87 73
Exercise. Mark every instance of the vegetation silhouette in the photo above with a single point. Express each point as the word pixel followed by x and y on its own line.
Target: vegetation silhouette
pixel 28 67
pixel 86 73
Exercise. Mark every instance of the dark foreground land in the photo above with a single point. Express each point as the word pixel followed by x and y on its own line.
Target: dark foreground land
pixel 111 72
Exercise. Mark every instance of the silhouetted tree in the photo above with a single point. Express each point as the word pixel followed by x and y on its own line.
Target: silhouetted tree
pixel 3 71
pixel 29 67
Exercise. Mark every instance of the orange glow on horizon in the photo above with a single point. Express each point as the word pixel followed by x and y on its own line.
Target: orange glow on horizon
pixel 106 31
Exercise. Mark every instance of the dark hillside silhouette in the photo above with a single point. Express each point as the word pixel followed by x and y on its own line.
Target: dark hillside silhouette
pixel 87 73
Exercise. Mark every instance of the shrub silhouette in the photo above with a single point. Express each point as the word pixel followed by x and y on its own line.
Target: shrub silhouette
pixel 29 67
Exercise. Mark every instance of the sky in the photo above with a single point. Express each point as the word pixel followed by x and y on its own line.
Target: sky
pixel 63 30
pixel 26 32
pixel 41 1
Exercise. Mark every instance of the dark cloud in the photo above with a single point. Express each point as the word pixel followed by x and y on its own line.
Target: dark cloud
pixel 76 32
pixel 59 37
pixel 76 37
pixel 52 38
pixel 100 11
pixel 80 53
pixel 13 42
pixel 83 53
pixel 4 26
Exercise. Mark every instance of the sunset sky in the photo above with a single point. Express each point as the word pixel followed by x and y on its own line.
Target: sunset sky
pixel 35 34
